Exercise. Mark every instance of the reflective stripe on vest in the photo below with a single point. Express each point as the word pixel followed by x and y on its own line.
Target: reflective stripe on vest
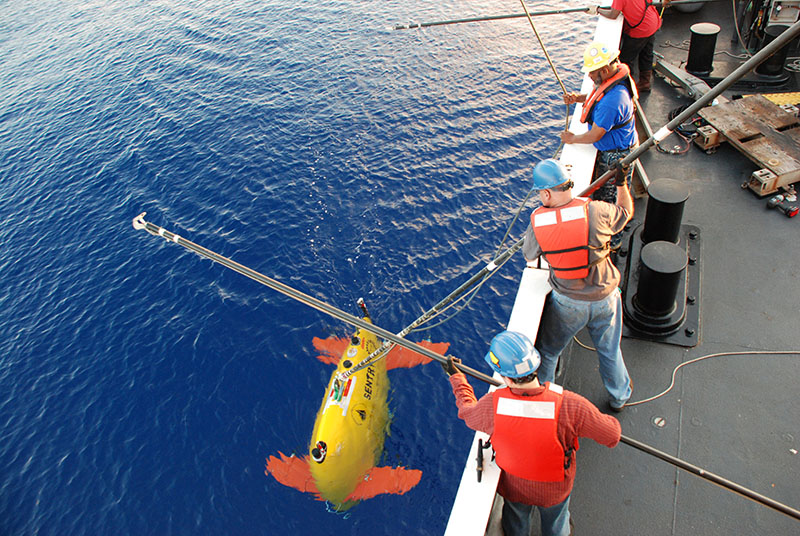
pixel 563 236
pixel 623 75
pixel 525 437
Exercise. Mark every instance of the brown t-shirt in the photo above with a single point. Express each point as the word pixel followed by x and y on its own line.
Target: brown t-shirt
pixel 605 220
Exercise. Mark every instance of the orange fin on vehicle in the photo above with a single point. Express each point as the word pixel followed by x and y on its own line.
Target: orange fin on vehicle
pixel 331 349
pixel 401 357
pixel 293 472
pixel 396 480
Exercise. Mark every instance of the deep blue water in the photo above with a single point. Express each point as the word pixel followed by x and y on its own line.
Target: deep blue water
pixel 142 387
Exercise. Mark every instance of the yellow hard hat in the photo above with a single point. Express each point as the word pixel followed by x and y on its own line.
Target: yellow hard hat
pixel 597 55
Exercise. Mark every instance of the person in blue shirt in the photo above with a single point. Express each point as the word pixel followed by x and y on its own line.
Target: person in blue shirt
pixel 609 111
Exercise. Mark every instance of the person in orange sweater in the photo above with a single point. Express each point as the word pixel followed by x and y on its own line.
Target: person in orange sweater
pixel 534 430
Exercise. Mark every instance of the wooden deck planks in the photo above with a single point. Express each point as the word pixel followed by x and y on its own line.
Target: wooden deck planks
pixel 761 130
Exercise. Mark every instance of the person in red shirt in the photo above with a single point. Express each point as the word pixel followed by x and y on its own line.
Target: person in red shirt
pixel 642 21
pixel 534 431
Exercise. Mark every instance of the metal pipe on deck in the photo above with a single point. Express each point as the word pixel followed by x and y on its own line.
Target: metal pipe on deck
pixel 714 478
pixel 761 56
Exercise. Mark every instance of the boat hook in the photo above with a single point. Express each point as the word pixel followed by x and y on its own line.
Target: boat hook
pixel 140 223
pixel 412 25
pixel 786 36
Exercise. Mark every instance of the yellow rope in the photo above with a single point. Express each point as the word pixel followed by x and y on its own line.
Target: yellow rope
pixel 544 49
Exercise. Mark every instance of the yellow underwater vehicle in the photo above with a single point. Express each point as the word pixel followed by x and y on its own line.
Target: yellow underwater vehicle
pixel 351 425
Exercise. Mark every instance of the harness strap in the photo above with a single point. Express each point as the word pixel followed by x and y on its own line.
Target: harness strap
pixel 576 248
pixel 647 5
pixel 620 125
pixel 593 263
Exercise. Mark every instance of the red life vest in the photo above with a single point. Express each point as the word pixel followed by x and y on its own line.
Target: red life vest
pixel 622 76
pixel 525 437
pixel 563 235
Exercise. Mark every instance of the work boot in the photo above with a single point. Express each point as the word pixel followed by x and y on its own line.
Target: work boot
pixel 645 77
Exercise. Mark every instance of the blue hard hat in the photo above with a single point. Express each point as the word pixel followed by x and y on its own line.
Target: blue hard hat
pixel 548 174
pixel 512 355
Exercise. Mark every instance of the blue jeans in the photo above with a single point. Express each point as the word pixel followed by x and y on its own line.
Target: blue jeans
pixel 517 519
pixel 563 317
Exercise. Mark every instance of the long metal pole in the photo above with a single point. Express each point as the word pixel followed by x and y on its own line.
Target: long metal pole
pixel 711 477
pixel 140 223
pixel 760 57
pixel 412 25
pixel 450 298
pixel 749 65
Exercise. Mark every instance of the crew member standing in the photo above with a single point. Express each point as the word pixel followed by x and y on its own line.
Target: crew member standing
pixel 535 429
pixel 573 236
pixel 609 111
pixel 642 21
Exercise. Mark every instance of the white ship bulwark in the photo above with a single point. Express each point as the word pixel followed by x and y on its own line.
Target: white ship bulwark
pixel 472 508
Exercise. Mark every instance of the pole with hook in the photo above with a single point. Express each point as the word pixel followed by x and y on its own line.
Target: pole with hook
pixel 487 18
pixel 140 223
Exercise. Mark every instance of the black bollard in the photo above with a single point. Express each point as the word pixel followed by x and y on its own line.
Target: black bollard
pixel 701 48
pixel 662 266
pixel 664 210
pixel 661 285
pixel 773 66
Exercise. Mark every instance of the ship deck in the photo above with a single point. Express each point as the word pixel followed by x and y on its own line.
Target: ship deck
pixel 735 415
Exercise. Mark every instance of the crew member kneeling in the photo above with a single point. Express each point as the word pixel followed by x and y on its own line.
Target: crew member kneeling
pixel 535 430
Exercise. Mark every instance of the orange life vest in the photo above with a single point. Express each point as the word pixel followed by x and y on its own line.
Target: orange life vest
pixel 622 76
pixel 525 437
pixel 563 235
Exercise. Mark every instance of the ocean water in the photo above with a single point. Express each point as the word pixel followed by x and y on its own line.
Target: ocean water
pixel 141 386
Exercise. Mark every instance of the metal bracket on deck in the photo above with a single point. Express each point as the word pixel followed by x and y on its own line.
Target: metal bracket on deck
pixel 708 138
pixel 694 87
pixel 763 182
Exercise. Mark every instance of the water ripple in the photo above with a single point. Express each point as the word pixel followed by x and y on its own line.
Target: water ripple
pixel 141 386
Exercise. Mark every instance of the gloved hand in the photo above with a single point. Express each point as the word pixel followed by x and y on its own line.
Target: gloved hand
pixel 614 178
pixel 592 10
pixel 620 175
pixel 450 367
